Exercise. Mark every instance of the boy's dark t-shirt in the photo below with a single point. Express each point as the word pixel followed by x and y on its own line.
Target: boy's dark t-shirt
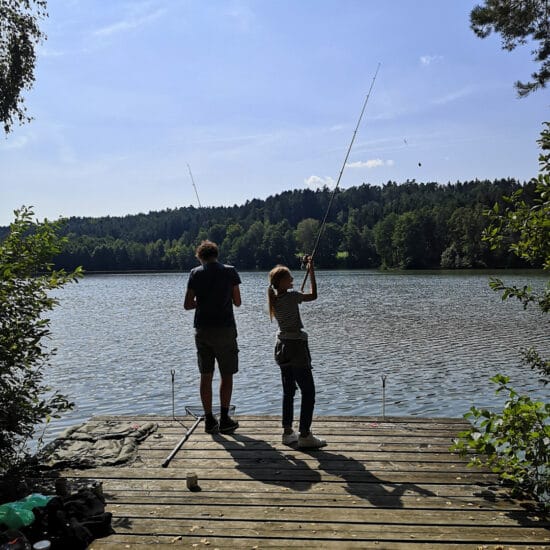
pixel 213 285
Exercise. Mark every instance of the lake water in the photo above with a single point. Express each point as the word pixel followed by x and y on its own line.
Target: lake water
pixel 437 337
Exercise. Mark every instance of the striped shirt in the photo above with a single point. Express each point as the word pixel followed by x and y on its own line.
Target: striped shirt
pixel 287 314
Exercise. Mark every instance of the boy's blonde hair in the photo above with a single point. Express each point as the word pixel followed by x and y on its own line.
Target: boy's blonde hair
pixel 275 276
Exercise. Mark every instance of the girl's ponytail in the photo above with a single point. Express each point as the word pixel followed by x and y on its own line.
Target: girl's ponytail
pixel 275 276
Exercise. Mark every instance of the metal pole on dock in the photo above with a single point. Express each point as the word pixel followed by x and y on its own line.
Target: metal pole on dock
pixel 173 373
pixel 384 396
pixel 181 442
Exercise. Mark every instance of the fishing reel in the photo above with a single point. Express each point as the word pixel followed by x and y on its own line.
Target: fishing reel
pixel 304 261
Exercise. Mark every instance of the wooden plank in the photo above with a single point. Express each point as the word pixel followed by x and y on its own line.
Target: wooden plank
pixel 381 483
pixel 340 487
pixel 483 491
pixel 277 419
pixel 325 430
pixel 118 542
pixel 217 453
pixel 357 443
pixel 291 475
pixel 331 530
pixel 317 514
pixel 245 427
pixel 343 466
pixel 188 452
pixel 118 498
pixel 342 432
pixel 168 444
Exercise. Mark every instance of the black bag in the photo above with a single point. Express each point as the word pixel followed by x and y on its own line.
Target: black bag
pixel 72 522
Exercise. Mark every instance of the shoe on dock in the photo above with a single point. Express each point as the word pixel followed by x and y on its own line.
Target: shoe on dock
pixel 211 425
pixel 290 439
pixel 310 442
pixel 228 425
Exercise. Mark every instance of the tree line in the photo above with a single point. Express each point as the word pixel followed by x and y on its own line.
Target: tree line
pixel 409 226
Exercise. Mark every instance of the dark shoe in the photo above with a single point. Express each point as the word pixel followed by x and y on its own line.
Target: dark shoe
pixel 211 425
pixel 228 425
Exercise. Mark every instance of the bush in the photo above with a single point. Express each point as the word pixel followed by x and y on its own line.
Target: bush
pixel 27 278
pixel 514 443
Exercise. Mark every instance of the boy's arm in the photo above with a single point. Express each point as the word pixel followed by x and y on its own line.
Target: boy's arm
pixel 190 301
pixel 236 295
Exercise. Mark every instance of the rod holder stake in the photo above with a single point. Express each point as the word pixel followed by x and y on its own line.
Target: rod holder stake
pixel 384 397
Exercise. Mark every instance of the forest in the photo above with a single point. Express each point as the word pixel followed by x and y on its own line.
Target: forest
pixel 407 226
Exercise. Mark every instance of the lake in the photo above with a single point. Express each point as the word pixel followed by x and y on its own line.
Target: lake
pixel 437 337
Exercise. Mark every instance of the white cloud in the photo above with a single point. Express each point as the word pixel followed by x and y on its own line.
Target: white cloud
pixel 371 163
pixel 46 52
pixel 129 24
pixel 316 181
pixel 242 15
pixel 429 59
pixel 453 96
pixel 16 143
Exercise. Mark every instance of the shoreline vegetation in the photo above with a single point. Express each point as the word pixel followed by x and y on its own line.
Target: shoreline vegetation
pixel 396 271
pixel 395 226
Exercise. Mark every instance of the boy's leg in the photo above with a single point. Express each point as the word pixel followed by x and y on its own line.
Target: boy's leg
pixel 227 424
pixel 227 355
pixel 206 392
pixel 206 359
pixel 210 423
pixel 226 389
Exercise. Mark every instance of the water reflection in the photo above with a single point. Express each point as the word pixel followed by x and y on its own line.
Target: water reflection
pixel 438 337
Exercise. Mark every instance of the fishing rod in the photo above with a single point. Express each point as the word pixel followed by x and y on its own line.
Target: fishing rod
pixel 323 223
pixel 194 186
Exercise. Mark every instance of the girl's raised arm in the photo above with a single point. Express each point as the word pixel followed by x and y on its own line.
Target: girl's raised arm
pixel 312 294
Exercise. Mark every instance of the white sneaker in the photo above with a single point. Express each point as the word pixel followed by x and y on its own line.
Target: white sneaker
pixel 310 442
pixel 290 439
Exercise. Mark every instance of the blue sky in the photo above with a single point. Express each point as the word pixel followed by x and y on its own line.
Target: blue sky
pixel 259 97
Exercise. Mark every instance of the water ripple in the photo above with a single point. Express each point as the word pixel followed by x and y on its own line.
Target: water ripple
pixel 438 338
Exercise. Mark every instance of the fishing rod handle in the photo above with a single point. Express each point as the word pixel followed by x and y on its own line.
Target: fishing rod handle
pixel 305 279
pixel 306 262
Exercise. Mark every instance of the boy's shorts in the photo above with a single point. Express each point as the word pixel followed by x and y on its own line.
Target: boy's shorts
pixel 217 344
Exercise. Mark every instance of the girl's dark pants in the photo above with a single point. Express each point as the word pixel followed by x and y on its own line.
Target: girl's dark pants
pixel 294 359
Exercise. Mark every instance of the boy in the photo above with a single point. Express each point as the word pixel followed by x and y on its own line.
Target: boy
pixel 212 291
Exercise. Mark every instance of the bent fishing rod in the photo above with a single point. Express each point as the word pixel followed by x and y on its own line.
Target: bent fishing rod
pixel 323 223
pixel 194 186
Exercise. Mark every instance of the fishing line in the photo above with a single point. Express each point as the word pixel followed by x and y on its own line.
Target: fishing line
pixel 323 223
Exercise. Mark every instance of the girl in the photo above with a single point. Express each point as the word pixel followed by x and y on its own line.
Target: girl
pixel 292 353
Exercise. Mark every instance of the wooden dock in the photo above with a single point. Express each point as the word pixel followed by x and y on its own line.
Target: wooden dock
pixel 378 484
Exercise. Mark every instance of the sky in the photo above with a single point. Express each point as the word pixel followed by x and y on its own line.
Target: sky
pixel 259 97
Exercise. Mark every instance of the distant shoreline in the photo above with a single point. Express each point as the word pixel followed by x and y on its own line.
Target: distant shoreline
pixel 487 270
